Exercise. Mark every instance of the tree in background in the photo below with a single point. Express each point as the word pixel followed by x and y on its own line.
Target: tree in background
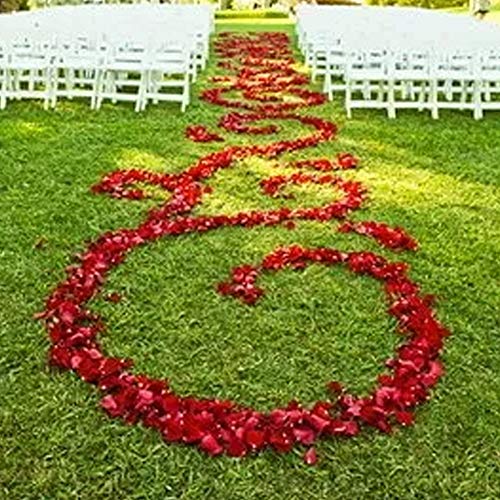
pixel 12 5
pixel 428 4
pixel 15 5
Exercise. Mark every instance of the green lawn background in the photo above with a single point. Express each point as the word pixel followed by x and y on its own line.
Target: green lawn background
pixel 438 179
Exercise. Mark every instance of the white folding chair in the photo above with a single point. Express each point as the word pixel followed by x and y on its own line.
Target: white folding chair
pixel 123 74
pixel 489 82
pixel 454 82
pixel 318 48
pixel 408 80
pixel 29 71
pixel 367 81
pixel 168 69
pixel 77 70
pixel 335 67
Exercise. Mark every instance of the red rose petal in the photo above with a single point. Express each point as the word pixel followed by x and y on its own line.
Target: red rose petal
pixel 255 439
pixel 405 418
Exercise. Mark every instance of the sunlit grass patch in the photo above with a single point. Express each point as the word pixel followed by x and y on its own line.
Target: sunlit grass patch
pixel 130 158
pixel 239 189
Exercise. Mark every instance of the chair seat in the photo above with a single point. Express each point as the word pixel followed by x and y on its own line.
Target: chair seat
pixel 169 68
pixel 125 67
pixel 490 76
pixel 77 63
pixel 28 65
pixel 410 75
pixel 367 75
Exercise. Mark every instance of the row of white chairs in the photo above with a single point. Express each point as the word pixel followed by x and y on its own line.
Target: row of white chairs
pixel 114 23
pixel 393 27
pixel 392 58
pixel 110 17
pixel 127 72
pixel 134 53
pixel 418 80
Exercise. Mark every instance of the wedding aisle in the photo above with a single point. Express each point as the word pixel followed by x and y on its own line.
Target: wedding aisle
pixel 264 74
pixel 229 282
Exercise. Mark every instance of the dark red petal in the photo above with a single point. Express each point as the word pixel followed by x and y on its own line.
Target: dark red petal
pixel 255 439
pixel 236 448
pixel 405 418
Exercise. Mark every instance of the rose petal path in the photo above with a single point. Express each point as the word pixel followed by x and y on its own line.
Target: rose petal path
pixel 261 69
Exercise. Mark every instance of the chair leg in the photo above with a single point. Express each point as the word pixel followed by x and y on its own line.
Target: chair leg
pixel 6 89
pixel 113 77
pixel 156 77
pixel 95 88
pixel 46 73
pixel 141 91
pixel 31 80
pixel 147 89
pixel 406 90
pixel 70 83
pixel 487 92
pixel 366 90
pixel 16 83
pixel 54 88
pixel 185 94
pixel 187 88
pixel 144 103
pixel 391 107
pixel 448 90
pixel 463 95
pixel 380 92
pixel 327 87
pixel 476 98
pixel 434 100
pixel 101 85
pixel 348 99
pixel 3 91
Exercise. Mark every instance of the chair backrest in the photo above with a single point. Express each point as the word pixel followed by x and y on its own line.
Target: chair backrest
pixel 367 65
pixel 489 67
pixel 453 65
pixel 30 52
pixel 409 65
pixel 84 52
pixel 127 55
pixel 170 57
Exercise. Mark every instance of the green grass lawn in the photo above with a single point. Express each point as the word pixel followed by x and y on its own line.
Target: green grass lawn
pixel 438 179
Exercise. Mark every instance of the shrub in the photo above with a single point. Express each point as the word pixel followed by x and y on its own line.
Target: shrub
pixel 336 2
pixel 430 4
pixel 250 14
pixel 13 5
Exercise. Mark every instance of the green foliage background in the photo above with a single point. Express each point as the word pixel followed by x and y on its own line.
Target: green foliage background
pixel 16 5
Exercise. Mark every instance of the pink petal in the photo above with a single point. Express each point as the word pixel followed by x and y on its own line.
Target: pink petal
pixel 310 457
